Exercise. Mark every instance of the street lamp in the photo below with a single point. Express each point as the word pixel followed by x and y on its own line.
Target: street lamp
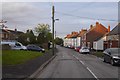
pixel 53 21
pixel 56 20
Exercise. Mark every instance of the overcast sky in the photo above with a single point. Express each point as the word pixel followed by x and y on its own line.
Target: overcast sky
pixel 72 16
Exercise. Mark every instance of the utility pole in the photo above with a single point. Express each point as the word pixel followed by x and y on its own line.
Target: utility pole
pixel 55 34
pixel 55 38
pixel 53 29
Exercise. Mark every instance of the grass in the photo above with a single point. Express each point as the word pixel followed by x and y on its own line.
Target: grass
pixel 14 57
pixel 98 54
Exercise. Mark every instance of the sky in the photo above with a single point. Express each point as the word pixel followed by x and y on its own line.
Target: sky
pixel 73 16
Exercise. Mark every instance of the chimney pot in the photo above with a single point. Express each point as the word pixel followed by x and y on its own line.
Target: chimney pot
pixel 97 23
pixel 91 26
pixel 108 28
pixel 15 30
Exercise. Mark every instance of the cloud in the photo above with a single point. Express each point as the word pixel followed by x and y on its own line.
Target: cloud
pixel 23 14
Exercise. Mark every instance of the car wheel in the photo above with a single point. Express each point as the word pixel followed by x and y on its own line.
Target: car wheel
pixel 112 62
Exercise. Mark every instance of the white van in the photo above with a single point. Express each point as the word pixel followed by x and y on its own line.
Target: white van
pixel 14 45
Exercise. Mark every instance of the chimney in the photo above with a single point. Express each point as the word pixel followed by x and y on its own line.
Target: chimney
pixel 97 23
pixel 108 28
pixel 73 32
pixel 83 30
pixel 15 30
pixel 91 26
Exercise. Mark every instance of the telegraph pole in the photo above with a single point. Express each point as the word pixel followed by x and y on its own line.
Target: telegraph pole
pixel 55 38
pixel 53 29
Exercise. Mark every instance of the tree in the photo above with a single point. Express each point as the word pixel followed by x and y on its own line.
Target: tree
pixel 23 38
pixel 58 41
pixel 42 28
pixel 43 32
pixel 31 38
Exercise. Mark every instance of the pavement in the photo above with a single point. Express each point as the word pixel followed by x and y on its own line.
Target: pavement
pixel 71 64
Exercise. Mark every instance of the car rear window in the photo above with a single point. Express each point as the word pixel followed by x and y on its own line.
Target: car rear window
pixel 85 48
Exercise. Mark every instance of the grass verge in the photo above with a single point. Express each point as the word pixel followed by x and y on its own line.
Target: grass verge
pixel 98 54
pixel 14 57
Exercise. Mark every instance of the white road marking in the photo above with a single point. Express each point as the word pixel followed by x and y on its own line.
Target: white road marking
pixel 81 62
pixel 92 73
pixel 86 67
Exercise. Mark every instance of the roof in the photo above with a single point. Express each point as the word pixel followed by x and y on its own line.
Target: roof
pixel 97 32
pixel 4 31
pixel 68 36
pixel 101 37
pixel 82 32
pixel 15 32
pixel 10 31
pixel 74 34
pixel 115 30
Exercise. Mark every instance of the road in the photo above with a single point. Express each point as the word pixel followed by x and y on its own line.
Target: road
pixel 71 64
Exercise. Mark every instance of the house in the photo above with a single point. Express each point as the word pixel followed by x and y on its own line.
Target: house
pixel 67 40
pixel 7 34
pixel 113 38
pixel 73 39
pixel 79 38
pixel 98 44
pixel 93 34
pixel 15 33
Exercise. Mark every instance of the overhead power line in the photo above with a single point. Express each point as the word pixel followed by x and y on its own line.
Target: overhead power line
pixel 84 17
pixel 83 7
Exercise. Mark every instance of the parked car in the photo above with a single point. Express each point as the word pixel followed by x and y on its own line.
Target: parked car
pixel 33 47
pixel 61 45
pixel 112 55
pixel 69 46
pixel 14 45
pixel 72 47
pixel 84 50
pixel 77 49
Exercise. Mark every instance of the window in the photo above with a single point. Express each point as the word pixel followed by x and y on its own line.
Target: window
pixel 17 44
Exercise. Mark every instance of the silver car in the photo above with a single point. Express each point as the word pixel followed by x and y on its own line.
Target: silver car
pixel 84 50
pixel 14 45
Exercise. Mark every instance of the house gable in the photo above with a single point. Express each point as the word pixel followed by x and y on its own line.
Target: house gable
pixel 95 33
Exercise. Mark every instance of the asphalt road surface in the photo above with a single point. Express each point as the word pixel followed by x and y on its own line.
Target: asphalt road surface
pixel 71 64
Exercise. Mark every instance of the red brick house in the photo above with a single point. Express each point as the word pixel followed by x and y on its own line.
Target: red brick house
pixel 113 38
pixel 95 32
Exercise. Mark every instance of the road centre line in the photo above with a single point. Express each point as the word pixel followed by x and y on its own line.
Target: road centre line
pixel 92 73
pixel 81 62
pixel 86 67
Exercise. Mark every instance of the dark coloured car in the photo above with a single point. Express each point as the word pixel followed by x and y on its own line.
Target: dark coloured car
pixel 35 48
pixel 112 55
